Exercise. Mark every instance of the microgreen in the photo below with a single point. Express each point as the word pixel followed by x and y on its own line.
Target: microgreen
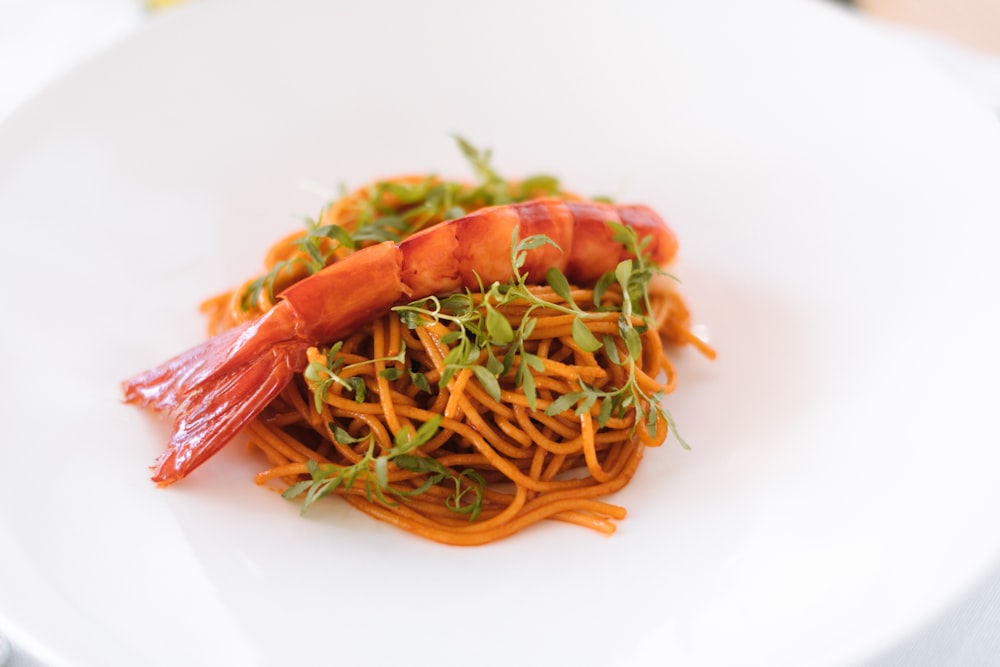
pixel 321 375
pixel 373 472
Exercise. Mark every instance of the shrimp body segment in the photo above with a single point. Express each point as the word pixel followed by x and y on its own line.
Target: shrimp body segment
pixel 218 387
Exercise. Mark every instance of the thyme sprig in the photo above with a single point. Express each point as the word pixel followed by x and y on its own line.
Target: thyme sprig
pixel 325 369
pixel 372 473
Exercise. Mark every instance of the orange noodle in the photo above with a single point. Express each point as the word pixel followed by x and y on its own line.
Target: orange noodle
pixel 464 418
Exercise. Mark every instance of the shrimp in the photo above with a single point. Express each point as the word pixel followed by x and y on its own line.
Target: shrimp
pixel 219 386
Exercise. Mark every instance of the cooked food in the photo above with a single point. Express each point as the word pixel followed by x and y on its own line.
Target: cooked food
pixel 460 360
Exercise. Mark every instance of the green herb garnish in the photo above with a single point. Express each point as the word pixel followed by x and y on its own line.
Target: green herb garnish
pixel 372 473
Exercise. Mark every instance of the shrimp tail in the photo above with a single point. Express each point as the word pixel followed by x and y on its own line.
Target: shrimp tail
pixel 218 387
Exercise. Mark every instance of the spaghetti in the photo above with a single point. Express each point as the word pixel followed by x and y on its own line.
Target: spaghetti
pixel 468 417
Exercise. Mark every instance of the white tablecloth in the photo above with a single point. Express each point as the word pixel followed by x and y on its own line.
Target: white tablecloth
pixel 41 40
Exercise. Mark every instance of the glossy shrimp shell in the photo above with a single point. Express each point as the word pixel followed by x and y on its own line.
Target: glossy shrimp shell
pixel 218 387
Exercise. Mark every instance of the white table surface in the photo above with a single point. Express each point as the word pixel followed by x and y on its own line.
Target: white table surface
pixel 42 40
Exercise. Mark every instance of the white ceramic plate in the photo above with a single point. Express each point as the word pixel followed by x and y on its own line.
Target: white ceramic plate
pixel 838 215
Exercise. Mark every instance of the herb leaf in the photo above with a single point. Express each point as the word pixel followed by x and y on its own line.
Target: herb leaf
pixel 557 281
pixel 583 337
pixel 488 380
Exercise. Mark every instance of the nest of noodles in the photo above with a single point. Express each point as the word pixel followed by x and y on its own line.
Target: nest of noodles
pixel 496 462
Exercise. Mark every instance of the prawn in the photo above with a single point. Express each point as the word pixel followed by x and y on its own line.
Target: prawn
pixel 216 388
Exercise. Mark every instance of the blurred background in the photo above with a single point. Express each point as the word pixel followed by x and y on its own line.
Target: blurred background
pixel 973 23
pixel 42 39
pixel 960 36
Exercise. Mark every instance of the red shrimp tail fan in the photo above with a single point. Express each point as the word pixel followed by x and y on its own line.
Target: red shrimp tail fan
pixel 215 389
